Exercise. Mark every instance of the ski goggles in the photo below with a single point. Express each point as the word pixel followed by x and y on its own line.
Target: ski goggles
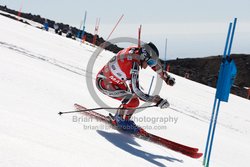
pixel 151 62
pixel 146 57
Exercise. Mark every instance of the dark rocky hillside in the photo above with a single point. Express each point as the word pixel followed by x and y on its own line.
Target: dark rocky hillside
pixel 205 71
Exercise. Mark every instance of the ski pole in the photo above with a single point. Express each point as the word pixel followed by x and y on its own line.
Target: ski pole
pixel 102 108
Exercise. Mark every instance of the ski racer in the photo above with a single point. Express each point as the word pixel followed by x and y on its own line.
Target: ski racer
pixel 118 79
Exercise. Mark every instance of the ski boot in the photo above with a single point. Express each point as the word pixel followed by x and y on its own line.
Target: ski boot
pixel 124 124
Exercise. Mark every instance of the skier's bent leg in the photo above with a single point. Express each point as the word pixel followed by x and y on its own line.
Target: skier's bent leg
pixel 127 109
pixel 124 114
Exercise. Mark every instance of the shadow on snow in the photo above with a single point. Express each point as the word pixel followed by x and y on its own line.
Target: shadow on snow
pixel 124 142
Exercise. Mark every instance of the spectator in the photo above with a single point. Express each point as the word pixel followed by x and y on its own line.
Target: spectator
pixel 46 25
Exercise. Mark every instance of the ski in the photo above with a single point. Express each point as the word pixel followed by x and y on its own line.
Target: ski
pixel 142 134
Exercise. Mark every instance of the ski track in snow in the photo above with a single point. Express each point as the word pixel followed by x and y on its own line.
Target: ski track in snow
pixel 71 68
pixel 202 118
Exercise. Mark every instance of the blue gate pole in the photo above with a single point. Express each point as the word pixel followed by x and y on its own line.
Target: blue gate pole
pixel 209 132
pixel 83 28
pixel 165 61
pixel 213 131
pixel 231 41
pixel 208 143
pixel 79 32
pixel 151 84
pixel 228 36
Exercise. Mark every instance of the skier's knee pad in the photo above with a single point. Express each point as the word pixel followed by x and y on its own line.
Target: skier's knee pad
pixel 133 103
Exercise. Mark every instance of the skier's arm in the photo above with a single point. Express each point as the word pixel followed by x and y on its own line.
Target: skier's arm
pixel 135 86
pixel 162 103
pixel 163 74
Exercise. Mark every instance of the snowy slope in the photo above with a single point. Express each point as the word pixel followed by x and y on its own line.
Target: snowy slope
pixel 42 73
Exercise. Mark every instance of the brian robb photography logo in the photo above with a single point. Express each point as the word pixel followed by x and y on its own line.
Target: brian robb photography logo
pixel 153 123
